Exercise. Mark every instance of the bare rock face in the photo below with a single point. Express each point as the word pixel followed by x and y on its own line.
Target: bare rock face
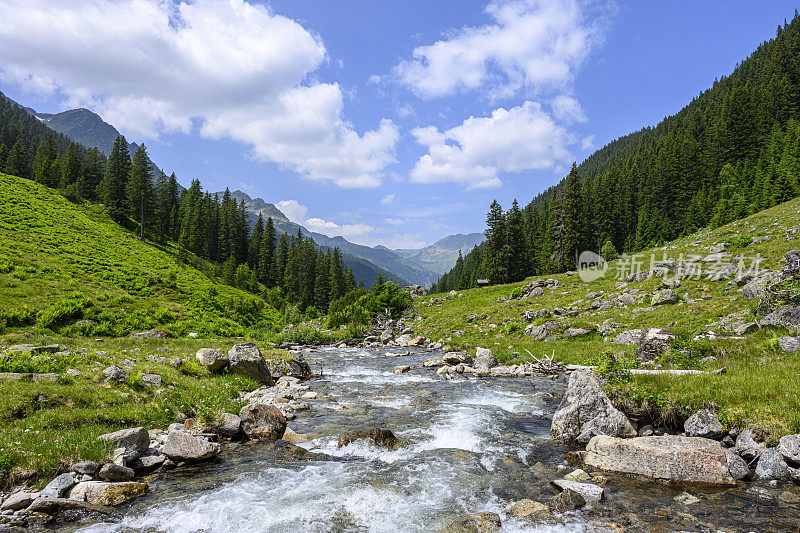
pixel 183 446
pixel 246 360
pixel 669 457
pixel 587 411
pixel 262 422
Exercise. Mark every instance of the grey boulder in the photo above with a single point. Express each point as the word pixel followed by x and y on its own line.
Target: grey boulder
pixel 587 411
pixel 183 446
pixel 211 359
pixel 789 447
pixel 771 466
pixel 704 423
pixel 246 360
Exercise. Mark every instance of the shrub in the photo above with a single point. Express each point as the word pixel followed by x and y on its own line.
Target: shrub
pixel 359 306
pixel 512 328
pixel 63 310
pixel 517 293
pixel 608 251
pixel 741 241
pixel 613 369
pixel 15 318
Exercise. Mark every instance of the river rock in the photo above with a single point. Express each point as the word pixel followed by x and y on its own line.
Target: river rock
pixel 455 358
pixel 436 361
pixel 134 440
pixel 586 411
pixel 295 438
pixel 401 369
pixel 246 360
pixel 567 500
pixel 86 468
pixel 18 500
pixel 288 366
pixel 58 487
pixel 115 472
pixel 211 359
pixel 669 457
pixel 484 360
pixel 789 447
pixel 148 463
pixel 403 340
pixel 183 446
pixel 588 491
pixel 630 336
pixel 530 509
pixel 262 422
pixel 475 523
pixel 654 343
pixel 105 493
pixel 771 466
pixel 380 437
pixel 704 423
pixel 52 506
pixel 229 425
pixel 747 446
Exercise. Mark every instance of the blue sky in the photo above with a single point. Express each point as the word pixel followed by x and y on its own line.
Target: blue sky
pixel 388 123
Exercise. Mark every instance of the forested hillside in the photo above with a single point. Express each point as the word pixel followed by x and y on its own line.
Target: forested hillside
pixel 733 151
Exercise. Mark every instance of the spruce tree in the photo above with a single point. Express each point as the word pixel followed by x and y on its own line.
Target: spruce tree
pixel 45 169
pixel 139 189
pixel 112 189
pixel 91 174
pixel 266 260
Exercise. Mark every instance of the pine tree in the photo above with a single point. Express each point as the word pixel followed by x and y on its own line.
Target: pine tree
pixel 496 245
pixel 45 169
pixel 139 188
pixel 517 245
pixel 91 174
pixel 266 260
pixel 71 168
pixel 573 219
pixel 254 247
pixel 322 283
pixel 16 163
pixel 112 189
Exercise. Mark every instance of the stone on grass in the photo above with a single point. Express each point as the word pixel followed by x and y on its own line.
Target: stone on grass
pixel 135 441
pixel 153 334
pixel 246 360
pixel 86 468
pixel 115 373
pixel 653 343
pixel 211 359
pixel 664 296
pixel 484 360
pixel 630 336
pixel 789 344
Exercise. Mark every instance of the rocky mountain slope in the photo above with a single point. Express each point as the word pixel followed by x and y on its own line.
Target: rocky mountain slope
pixel 440 256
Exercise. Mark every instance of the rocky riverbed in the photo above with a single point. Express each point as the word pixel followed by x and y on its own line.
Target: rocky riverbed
pixel 462 445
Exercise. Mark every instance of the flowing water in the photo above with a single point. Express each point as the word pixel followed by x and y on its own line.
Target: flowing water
pixel 467 446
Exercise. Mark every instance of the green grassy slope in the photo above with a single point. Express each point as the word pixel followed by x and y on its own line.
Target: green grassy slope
pixel 61 262
pixel 761 385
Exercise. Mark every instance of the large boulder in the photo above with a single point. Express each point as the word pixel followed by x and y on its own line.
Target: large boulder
pixel 788 317
pixel 754 289
pixel 771 466
pixel 213 360
pixel 58 487
pixel 380 437
pixel 104 493
pixel 665 296
pixel 455 358
pixel 246 360
pixel 789 447
pixel 789 344
pixel 262 422
pixel 704 423
pixel 134 440
pixel 669 457
pixel 747 446
pixel 288 366
pixel 654 343
pixel 183 446
pixel 484 360
pixel 586 411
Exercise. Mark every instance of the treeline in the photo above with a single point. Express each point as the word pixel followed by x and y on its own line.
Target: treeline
pixel 733 151
pixel 290 272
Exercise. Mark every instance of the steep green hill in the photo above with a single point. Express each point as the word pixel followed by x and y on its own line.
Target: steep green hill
pixel 63 262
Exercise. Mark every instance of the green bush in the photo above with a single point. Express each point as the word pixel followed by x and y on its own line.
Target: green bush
pixel 741 241
pixel 359 306
pixel 516 293
pixel 613 369
pixel 608 251
pixel 16 318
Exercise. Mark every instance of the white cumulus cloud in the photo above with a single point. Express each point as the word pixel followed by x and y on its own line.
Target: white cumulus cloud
pixel 388 199
pixel 534 44
pixel 294 210
pixel 233 67
pixel 475 152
